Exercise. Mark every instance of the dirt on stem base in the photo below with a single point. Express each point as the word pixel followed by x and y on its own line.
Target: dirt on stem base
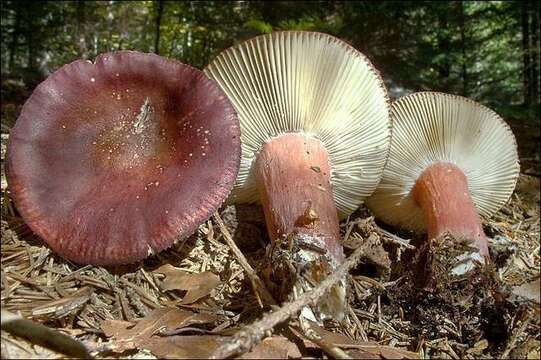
pixel 468 308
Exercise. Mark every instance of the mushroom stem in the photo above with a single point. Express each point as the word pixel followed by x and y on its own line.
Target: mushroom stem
pixel 293 178
pixel 442 192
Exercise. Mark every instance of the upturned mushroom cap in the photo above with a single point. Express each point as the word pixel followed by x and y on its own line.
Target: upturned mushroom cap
pixel 430 127
pixel 316 84
pixel 114 160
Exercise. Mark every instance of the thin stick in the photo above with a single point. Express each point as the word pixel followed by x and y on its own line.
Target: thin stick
pixel 42 335
pixel 357 322
pixel 515 335
pixel 393 238
pixel 257 283
pixel 252 334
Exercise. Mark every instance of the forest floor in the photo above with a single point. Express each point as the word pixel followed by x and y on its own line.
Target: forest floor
pixel 188 300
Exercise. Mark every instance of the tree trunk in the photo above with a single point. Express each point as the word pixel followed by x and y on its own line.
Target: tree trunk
pixel 158 26
pixel 269 12
pixel 464 70
pixel 80 30
pixel 14 37
pixel 110 18
pixel 444 43
pixel 526 54
pixel 32 47
pixel 534 52
pixel 173 43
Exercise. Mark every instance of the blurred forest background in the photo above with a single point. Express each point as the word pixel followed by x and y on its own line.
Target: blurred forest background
pixel 488 51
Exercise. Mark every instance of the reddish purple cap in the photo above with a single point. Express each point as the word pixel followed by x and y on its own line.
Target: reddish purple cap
pixel 113 161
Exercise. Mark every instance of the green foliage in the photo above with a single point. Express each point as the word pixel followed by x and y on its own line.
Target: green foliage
pixel 331 25
pixel 259 26
pixel 473 48
pixel 303 24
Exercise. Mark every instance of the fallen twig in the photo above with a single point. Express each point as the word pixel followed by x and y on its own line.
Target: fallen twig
pixel 252 334
pixel 42 335
pixel 515 335
pixel 393 238
pixel 257 283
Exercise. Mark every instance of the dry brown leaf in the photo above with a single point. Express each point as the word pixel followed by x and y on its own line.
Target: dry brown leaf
pixel 361 354
pixel 276 347
pixel 197 285
pixel 115 328
pixel 184 347
pixel 360 347
pixel 126 335
pixel 202 346
pixel 388 352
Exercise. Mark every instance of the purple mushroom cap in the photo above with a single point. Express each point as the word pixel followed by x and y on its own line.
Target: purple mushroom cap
pixel 112 161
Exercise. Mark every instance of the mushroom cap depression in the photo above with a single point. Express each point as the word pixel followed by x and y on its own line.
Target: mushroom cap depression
pixel 114 160
pixel 431 127
pixel 316 84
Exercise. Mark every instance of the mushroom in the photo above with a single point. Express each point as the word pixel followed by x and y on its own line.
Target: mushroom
pixel 112 161
pixel 451 160
pixel 315 131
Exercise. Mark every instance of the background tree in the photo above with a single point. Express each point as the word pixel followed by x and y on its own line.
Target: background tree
pixel 488 51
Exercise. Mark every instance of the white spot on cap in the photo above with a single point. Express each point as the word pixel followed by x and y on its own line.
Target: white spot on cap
pixel 92 79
